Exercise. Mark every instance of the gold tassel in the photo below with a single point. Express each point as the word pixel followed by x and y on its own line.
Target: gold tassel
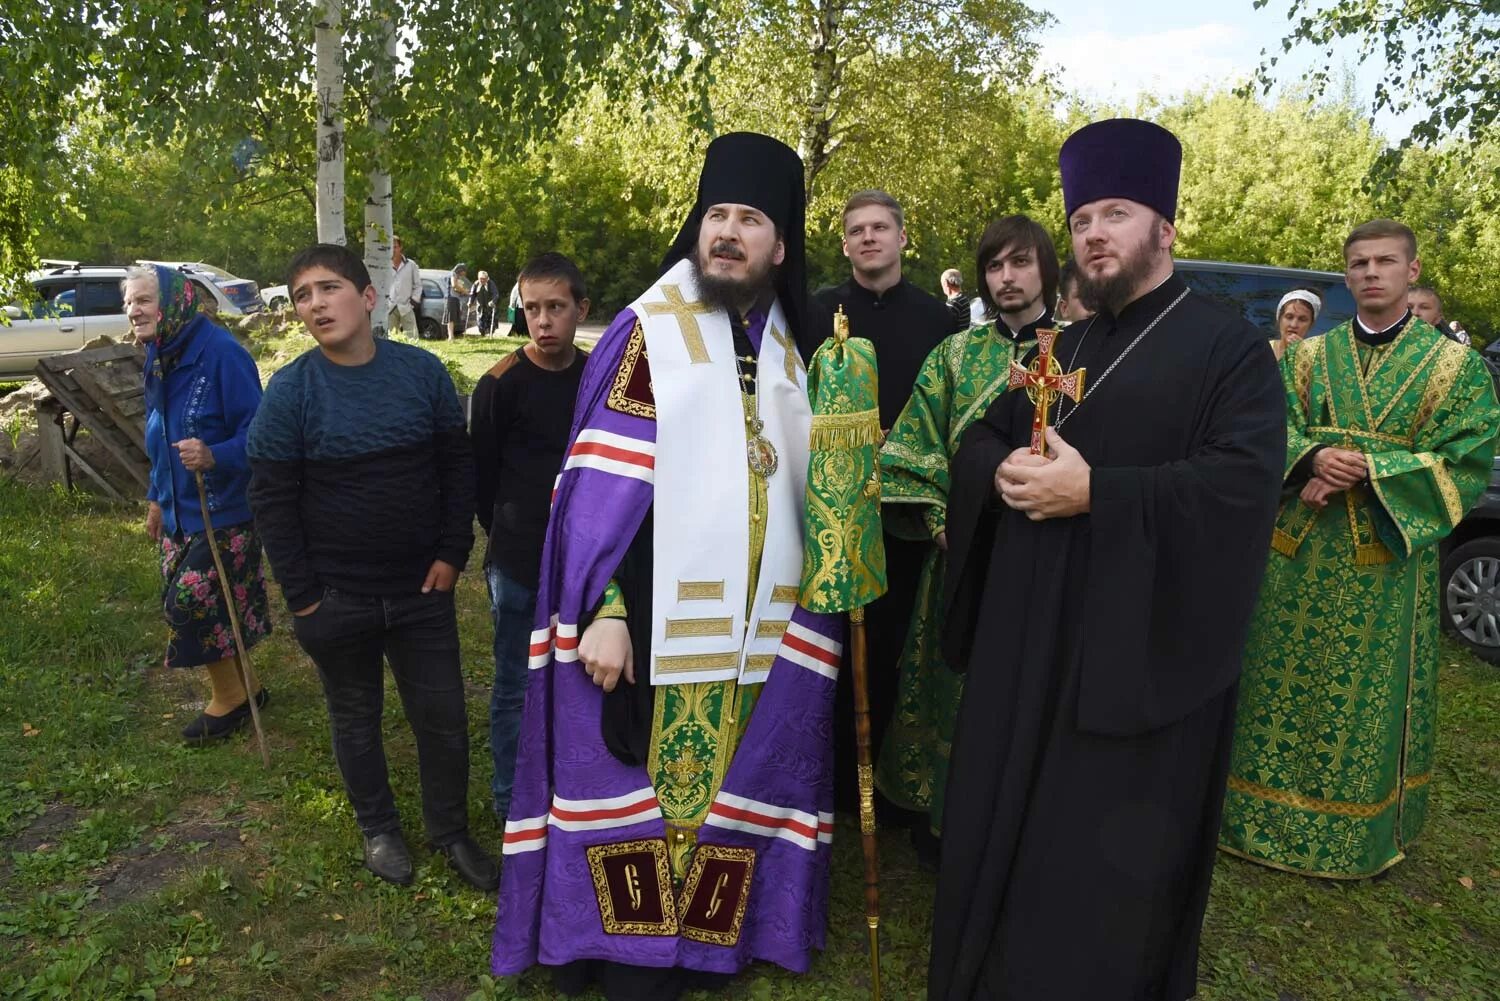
pixel 845 431
pixel 1283 543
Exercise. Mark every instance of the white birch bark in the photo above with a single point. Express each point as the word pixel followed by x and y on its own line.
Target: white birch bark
pixel 378 210
pixel 329 46
pixel 819 109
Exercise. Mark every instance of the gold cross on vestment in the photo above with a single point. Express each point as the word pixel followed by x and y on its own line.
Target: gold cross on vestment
pixel 1045 383
pixel 687 314
pixel 793 359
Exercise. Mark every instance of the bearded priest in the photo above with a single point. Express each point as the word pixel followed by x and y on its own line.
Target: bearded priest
pixel 671 820
pixel 1098 599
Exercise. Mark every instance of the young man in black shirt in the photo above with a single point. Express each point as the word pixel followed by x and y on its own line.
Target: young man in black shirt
pixel 522 411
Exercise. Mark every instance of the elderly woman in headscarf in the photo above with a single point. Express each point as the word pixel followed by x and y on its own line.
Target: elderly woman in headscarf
pixel 1295 314
pixel 201 391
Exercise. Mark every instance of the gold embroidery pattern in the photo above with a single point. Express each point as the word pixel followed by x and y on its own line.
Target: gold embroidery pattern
pixel 705 854
pixel 686 314
pixel 1305 356
pixel 719 626
pixel 1341 433
pixel 793 357
pixel 635 354
pixel 785 592
pixel 678 663
pixel 700 590
pixel 770 629
pixel 1299 802
pixel 613 925
pixel 1421 368
pixel 760 661
pixel 1439 470
pixel 845 430
pixel 1445 370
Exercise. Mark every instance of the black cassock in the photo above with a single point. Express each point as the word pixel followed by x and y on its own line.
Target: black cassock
pixel 1102 656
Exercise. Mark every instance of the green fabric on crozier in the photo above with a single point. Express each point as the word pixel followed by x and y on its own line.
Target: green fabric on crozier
pixel 843 562
pixel 959 380
pixel 1333 757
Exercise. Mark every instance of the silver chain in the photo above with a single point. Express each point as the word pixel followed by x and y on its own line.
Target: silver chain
pixel 1121 357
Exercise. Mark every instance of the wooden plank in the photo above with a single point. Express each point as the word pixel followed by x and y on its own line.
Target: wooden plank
pixel 88 383
pixel 89 379
pixel 105 485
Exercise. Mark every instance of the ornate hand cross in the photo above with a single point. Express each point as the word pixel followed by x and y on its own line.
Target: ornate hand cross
pixel 1045 383
pixel 687 314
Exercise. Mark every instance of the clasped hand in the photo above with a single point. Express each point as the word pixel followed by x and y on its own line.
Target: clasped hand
pixel 1334 470
pixel 1055 486
pixel 605 653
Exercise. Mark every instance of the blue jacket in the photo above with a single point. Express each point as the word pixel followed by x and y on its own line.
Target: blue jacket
pixel 211 393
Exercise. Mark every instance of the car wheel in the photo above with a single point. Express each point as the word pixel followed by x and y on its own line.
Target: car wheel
pixel 429 329
pixel 1471 596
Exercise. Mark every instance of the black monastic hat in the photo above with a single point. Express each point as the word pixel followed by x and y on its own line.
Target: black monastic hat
pixel 1121 158
pixel 747 168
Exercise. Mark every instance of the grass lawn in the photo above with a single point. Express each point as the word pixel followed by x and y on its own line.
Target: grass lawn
pixel 132 867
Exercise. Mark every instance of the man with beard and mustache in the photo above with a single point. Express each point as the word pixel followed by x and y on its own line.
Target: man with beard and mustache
pixel 671 817
pixel 1098 601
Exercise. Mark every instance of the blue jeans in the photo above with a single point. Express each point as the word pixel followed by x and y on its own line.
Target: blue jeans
pixel 512 605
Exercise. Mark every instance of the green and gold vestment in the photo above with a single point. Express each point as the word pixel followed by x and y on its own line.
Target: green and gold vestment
pixel 1333 753
pixel 959 380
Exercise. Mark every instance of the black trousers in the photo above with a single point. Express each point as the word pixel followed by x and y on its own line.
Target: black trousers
pixel 349 637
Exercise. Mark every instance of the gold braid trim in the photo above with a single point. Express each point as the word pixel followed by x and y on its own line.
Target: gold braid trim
pixel 845 431
pixel 1296 801
pixel 1361 433
pixel 1445 370
pixel 1452 502
pixel 1418 369
pixel 1305 355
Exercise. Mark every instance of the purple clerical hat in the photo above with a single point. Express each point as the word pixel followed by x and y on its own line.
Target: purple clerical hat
pixel 1121 158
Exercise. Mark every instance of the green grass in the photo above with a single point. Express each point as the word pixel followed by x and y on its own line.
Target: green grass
pixel 131 867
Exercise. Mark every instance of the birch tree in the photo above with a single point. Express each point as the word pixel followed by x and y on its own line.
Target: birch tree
pixel 328 34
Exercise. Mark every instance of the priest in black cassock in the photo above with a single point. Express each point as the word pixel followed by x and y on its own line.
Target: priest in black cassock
pixel 1099 599
pixel 904 323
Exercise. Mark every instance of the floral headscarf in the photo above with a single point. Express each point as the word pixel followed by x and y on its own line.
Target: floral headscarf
pixel 178 300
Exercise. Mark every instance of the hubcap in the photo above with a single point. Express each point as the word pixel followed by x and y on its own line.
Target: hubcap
pixel 1473 600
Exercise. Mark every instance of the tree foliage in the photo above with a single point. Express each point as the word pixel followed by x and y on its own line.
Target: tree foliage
pixel 1443 55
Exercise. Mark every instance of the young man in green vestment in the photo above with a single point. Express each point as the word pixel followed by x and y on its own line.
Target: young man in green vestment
pixel 1018 271
pixel 1390 437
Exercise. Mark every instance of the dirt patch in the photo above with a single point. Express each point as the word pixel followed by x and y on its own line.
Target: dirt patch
pixel 56 819
pixel 140 871
pixel 453 992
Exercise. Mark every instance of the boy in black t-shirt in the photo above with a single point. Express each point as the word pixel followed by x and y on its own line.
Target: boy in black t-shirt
pixel 522 412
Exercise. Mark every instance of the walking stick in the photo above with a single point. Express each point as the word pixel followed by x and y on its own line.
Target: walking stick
pixel 846 577
pixel 242 653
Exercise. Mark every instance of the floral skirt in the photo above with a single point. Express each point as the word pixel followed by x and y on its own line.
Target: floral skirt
pixel 193 601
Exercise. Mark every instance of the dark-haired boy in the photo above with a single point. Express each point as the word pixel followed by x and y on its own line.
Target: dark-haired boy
pixel 522 411
pixel 362 488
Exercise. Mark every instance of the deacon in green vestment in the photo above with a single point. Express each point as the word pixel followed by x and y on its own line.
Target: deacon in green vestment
pixel 1390 439
pixel 1017 266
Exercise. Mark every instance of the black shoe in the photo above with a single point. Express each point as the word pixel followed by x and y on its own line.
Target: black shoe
pixel 472 863
pixel 208 729
pixel 387 857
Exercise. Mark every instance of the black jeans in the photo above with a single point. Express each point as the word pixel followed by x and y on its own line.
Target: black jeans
pixel 347 637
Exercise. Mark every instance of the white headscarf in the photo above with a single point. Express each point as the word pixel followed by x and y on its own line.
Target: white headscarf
pixel 1300 295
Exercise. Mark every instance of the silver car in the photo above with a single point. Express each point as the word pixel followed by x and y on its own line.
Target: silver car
pixel 72 305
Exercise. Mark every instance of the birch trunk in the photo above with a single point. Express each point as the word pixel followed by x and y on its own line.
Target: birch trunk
pixel 819 111
pixel 329 45
pixel 378 211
